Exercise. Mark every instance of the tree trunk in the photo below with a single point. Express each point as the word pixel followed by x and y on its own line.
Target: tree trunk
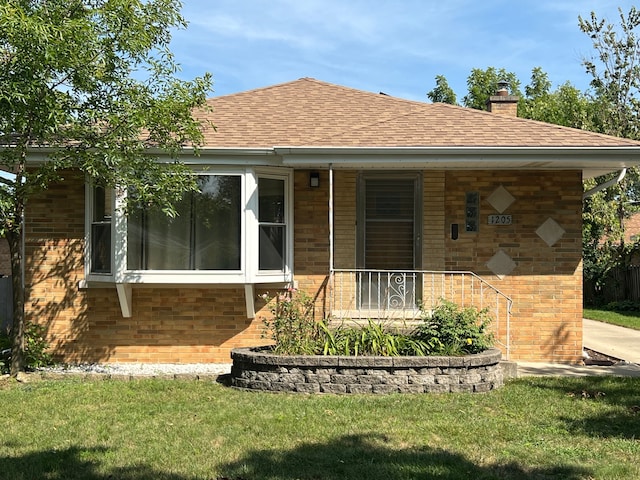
pixel 17 330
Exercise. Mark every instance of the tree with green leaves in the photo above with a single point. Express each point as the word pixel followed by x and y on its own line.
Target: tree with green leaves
pixel 89 85
pixel 615 71
pixel 442 92
pixel 615 80
pixel 566 105
pixel 482 84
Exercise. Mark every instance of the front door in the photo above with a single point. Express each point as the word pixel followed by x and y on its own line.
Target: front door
pixel 389 246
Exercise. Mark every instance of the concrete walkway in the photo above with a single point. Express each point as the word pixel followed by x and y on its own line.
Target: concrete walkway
pixel 611 340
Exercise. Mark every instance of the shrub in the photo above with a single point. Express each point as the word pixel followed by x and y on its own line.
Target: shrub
pixel 291 325
pixel 35 347
pixel 452 330
pixel 623 306
pixel 5 345
pixel 370 339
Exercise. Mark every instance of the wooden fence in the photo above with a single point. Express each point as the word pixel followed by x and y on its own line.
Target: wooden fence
pixel 6 304
pixel 620 284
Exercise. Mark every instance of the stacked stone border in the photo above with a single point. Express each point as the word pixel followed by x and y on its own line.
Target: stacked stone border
pixel 259 369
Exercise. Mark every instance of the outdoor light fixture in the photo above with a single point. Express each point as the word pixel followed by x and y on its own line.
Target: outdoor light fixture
pixel 314 179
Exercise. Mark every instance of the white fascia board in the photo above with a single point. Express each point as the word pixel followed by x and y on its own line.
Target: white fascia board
pixel 238 157
pixel 231 151
pixel 190 156
pixel 461 158
pixel 244 157
pixel 463 151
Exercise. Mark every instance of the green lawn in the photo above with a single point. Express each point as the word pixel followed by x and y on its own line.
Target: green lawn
pixel 533 428
pixel 623 319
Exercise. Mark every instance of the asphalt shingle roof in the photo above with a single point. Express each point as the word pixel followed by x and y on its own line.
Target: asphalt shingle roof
pixel 312 113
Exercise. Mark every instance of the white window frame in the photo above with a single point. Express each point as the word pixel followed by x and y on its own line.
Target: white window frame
pixel 88 254
pixel 133 276
pixel 254 274
pixel 248 273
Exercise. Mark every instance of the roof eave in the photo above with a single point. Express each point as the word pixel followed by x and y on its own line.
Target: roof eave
pixel 592 161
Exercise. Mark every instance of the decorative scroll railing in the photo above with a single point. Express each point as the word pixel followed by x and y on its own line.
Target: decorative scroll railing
pixel 402 295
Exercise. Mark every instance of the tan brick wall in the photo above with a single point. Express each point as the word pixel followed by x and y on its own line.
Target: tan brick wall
pixel 546 285
pixel 311 233
pixel 433 199
pixel 177 325
pixel 344 199
pixel 54 230
pixel 202 324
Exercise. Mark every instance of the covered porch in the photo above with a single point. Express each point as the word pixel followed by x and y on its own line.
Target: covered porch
pixel 399 298
pixel 388 250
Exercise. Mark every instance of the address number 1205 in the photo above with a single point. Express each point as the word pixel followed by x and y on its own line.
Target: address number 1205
pixel 500 220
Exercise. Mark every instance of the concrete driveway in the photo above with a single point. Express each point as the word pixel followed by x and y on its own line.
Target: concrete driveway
pixel 618 342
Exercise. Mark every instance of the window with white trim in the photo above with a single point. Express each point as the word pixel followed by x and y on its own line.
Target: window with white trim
pixel 272 224
pixel 204 235
pixel 101 208
pixel 235 229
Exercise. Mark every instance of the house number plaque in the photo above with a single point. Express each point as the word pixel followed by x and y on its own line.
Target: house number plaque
pixel 500 219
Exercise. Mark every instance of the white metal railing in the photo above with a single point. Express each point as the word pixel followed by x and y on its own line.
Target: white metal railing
pixel 403 294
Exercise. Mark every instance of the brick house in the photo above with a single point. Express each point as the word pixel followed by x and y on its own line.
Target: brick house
pixel 375 205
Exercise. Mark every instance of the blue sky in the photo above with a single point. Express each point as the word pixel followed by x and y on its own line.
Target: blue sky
pixel 391 46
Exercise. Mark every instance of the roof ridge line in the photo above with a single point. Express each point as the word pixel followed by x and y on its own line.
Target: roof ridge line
pixel 386 96
pixel 260 89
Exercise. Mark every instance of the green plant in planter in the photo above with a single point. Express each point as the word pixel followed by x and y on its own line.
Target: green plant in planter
pixel 446 330
pixel 292 325
pixel 370 339
pixel 452 330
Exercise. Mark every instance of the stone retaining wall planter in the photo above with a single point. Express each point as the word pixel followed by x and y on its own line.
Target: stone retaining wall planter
pixel 259 369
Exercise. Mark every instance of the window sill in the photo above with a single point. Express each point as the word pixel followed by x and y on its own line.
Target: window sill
pixel 173 279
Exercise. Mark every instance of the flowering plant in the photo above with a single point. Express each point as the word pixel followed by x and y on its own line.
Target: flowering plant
pixel 292 325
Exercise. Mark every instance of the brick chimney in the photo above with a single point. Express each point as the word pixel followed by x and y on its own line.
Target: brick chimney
pixel 502 103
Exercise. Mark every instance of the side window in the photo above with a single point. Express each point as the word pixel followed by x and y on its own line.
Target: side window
pixel 101 217
pixel 272 223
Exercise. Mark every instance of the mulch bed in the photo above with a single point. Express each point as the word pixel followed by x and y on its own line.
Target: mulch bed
pixel 597 358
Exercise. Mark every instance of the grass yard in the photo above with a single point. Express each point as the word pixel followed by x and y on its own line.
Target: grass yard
pixel 533 428
pixel 630 319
